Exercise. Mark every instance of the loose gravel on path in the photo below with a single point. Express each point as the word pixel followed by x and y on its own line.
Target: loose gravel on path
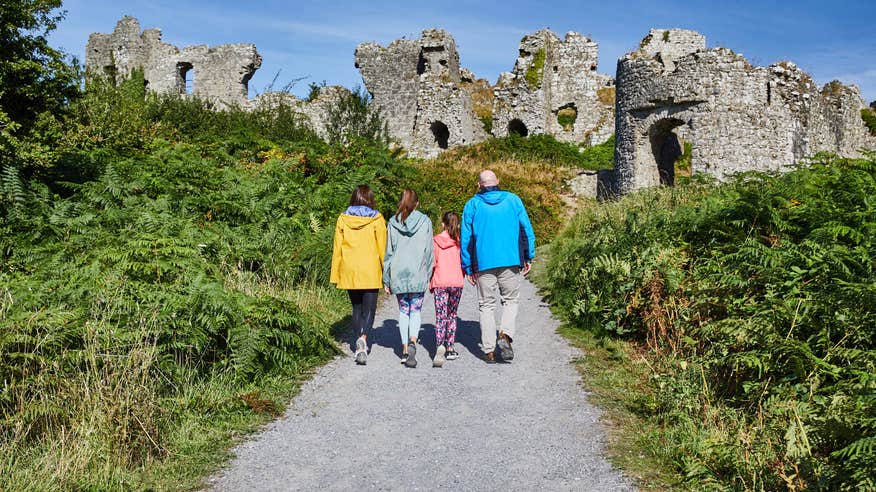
pixel 525 425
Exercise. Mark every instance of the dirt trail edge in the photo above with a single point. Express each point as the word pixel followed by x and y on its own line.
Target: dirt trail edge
pixel 526 425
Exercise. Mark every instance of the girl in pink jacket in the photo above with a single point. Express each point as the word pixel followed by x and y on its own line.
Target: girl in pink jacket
pixel 446 285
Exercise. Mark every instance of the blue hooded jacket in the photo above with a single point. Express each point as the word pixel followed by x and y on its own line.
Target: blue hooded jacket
pixel 495 232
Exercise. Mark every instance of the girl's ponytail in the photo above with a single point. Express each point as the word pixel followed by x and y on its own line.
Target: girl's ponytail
pixel 451 222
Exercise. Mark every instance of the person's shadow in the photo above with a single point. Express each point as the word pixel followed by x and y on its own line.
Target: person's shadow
pixel 468 334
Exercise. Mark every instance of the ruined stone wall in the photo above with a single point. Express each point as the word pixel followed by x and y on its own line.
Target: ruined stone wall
pixel 554 82
pixel 736 117
pixel 219 74
pixel 418 87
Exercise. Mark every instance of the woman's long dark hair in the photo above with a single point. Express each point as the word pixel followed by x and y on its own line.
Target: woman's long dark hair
pixel 363 195
pixel 406 205
pixel 451 222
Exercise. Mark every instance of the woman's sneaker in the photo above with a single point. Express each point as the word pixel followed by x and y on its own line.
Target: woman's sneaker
pixel 404 358
pixel 451 354
pixel 412 356
pixel 361 352
pixel 439 356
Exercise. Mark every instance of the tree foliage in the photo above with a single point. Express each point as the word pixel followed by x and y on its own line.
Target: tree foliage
pixel 34 77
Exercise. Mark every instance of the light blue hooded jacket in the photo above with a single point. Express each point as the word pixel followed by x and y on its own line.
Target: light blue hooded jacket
pixel 407 266
pixel 495 232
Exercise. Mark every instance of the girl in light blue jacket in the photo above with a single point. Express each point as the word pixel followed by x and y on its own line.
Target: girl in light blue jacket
pixel 407 268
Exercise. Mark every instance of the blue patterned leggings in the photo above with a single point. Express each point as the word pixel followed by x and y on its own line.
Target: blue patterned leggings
pixel 409 306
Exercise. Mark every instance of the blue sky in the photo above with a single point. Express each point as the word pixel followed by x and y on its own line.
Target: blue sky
pixel 316 40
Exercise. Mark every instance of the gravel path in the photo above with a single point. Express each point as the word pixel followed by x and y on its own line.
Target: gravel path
pixel 467 426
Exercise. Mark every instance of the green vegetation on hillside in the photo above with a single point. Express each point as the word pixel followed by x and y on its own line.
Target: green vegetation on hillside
pixel 869 117
pixel 165 280
pixel 735 324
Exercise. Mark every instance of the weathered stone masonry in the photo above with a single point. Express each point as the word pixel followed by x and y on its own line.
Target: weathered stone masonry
pixel 554 89
pixel 669 92
pixel 220 73
pixel 736 117
pixel 430 103
pixel 419 89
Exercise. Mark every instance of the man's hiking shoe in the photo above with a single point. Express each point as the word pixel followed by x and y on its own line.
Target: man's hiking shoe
pixel 452 355
pixel 489 358
pixel 439 356
pixel 505 350
pixel 412 356
pixel 361 352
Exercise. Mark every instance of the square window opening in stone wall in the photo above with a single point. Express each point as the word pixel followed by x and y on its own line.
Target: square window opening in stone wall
pixel 441 133
pixel 667 149
pixel 185 77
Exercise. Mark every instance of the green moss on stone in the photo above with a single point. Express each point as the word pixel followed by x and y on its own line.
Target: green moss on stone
pixel 535 72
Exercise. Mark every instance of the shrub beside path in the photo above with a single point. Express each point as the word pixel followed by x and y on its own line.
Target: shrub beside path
pixel 467 426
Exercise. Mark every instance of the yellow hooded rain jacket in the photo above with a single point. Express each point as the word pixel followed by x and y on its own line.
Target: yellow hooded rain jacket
pixel 357 255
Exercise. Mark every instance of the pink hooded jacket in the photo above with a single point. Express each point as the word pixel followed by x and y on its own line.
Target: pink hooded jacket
pixel 447 271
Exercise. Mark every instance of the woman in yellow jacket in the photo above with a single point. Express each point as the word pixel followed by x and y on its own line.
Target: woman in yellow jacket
pixel 357 261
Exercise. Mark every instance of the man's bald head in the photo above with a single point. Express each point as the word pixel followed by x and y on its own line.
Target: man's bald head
pixel 487 178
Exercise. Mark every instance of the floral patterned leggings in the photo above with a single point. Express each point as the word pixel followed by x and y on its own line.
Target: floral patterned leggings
pixel 409 306
pixel 446 304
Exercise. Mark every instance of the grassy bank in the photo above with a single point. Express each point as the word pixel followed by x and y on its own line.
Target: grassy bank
pixel 730 328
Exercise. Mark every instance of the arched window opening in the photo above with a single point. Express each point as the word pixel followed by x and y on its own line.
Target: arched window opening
pixel 441 134
pixel 517 127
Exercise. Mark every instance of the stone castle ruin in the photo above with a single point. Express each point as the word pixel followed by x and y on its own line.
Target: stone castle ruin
pixel 734 116
pixel 431 104
pixel 219 74
pixel 421 91
pixel 671 95
pixel 554 89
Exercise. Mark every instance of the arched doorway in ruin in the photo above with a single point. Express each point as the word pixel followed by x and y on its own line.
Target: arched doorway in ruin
pixel 441 134
pixel 517 127
pixel 666 147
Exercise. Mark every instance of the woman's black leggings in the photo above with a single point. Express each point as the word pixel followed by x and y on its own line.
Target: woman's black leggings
pixel 364 305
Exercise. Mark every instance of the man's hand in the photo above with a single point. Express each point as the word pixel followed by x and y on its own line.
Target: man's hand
pixel 526 268
pixel 473 278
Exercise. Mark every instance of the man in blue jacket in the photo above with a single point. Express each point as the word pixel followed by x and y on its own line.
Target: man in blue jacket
pixel 497 247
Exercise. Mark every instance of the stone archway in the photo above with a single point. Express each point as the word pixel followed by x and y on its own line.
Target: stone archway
pixel 517 127
pixel 441 134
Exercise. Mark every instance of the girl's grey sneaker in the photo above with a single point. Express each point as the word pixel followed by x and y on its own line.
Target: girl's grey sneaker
pixel 439 356
pixel 412 356
pixel 361 352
